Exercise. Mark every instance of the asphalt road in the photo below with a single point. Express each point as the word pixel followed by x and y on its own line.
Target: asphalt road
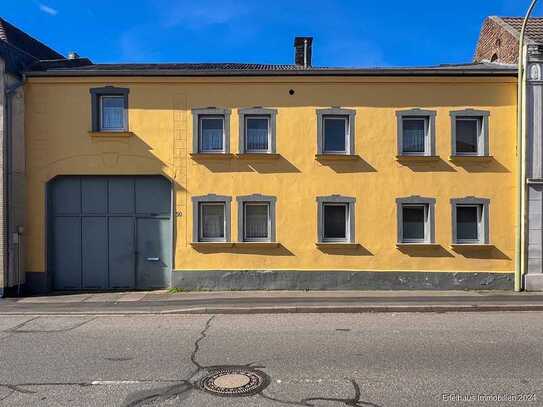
pixel 403 359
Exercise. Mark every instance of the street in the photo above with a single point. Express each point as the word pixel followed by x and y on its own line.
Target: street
pixel 387 359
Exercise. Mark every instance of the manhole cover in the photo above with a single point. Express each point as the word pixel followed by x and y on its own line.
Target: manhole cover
pixel 235 382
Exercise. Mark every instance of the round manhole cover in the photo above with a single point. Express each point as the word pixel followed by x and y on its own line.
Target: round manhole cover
pixel 234 382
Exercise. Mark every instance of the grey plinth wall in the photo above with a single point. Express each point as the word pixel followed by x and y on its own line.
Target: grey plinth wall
pixel 533 279
pixel 338 280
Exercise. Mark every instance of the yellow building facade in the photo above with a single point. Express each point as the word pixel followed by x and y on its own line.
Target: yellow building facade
pixel 159 140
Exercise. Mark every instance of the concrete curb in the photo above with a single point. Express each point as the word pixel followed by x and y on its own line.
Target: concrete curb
pixel 332 309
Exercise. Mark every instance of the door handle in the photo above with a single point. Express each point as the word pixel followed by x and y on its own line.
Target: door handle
pixel 153 258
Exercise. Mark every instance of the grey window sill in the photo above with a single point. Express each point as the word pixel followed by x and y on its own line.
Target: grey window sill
pixel 212 156
pixel 336 244
pixel 336 157
pixel 470 158
pixel 471 246
pixel 429 245
pixel 257 156
pixel 212 244
pixel 417 158
pixel 262 245
pixel 120 133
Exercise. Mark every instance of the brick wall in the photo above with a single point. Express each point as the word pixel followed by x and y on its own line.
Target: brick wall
pixel 495 41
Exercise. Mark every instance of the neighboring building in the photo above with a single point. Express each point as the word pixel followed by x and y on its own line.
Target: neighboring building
pixel 17 52
pixel 498 42
pixel 252 176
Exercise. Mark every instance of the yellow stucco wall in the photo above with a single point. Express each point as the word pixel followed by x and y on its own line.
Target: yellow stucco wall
pixel 58 143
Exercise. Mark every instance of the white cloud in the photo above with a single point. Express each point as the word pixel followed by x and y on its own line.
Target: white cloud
pixel 203 13
pixel 47 10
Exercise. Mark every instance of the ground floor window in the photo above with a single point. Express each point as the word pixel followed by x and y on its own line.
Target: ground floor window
pixel 415 220
pixel 335 219
pixel 470 220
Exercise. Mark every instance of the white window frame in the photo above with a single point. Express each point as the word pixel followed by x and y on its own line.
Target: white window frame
pixel 247 117
pixel 483 214
pixel 203 117
pixel 336 200
pixel 426 223
pixel 271 201
pixel 350 116
pixel 201 237
pixel 479 223
pixel 269 227
pixel 429 218
pixel 482 117
pixel 197 218
pixel 101 125
pixel 216 112
pixel 345 119
pixel 347 215
pixel 429 130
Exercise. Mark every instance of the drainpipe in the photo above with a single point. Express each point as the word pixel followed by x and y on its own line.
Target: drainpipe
pixel 8 92
pixel 305 53
pixel 521 161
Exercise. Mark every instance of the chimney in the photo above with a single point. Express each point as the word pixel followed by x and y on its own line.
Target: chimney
pixel 73 55
pixel 302 53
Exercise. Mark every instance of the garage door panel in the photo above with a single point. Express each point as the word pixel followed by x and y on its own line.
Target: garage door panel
pixel 94 253
pixel 94 195
pixel 122 254
pixel 153 196
pixel 154 253
pixel 121 195
pixel 66 196
pixel 67 253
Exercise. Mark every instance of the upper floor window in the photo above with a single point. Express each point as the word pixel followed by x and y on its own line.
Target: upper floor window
pixel 469 132
pixel 416 132
pixel 211 130
pixel 211 134
pixel 257 130
pixel 335 131
pixel 109 109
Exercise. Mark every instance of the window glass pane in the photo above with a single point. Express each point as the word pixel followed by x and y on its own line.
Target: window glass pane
pixel 467 222
pixel 335 134
pixel 257 133
pixel 466 135
pixel 413 222
pixel 256 221
pixel 414 131
pixel 112 113
pixel 212 219
pixel 335 217
pixel 211 133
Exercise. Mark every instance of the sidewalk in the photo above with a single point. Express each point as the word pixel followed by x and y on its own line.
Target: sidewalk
pixel 253 302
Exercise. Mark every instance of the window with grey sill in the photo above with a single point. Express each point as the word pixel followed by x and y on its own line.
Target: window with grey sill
pixel 257 130
pixel 336 219
pixel 335 131
pixel 211 217
pixel 109 109
pixel 469 130
pixel 416 132
pixel 470 220
pixel 211 131
pixel 415 220
pixel 256 218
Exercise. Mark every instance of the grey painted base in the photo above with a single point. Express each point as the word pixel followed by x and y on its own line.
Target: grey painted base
pixel 338 280
pixel 533 282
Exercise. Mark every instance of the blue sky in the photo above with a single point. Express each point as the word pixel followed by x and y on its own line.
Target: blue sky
pixel 346 32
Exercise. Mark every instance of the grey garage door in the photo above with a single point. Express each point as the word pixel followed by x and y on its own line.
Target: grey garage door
pixel 109 232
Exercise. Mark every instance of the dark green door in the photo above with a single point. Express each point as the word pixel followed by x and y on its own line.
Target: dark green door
pixel 109 232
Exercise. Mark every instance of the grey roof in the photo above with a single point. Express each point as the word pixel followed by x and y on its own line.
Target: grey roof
pixel 84 67
pixel 25 43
